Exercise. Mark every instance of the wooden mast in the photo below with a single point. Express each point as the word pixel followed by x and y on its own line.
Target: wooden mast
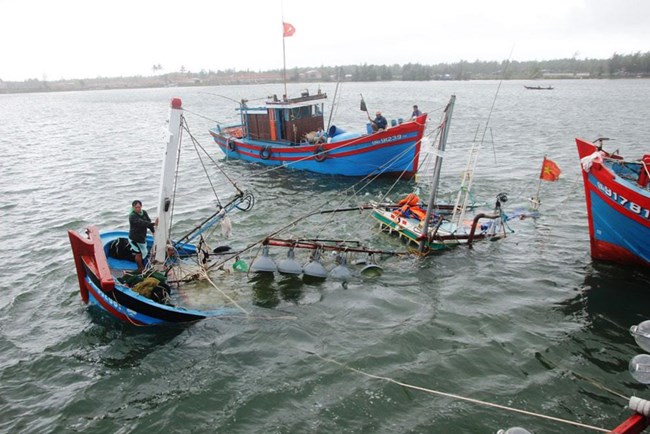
pixel 436 172
pixel 166 194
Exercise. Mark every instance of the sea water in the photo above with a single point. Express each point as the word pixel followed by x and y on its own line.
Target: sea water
pixel 527 322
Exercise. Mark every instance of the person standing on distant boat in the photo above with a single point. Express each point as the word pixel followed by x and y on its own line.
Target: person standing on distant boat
pixel 139 222
pixel 416 112
pixel 379 123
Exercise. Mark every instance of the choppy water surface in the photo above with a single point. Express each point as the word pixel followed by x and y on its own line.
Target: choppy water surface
pixel 528 321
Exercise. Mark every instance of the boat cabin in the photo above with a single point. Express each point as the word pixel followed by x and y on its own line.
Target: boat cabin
pixel 284 120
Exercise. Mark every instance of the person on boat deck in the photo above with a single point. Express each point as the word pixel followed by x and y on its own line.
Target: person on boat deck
pixel 416 112
pixel 139 222
pixel 379 123
pixel 320 135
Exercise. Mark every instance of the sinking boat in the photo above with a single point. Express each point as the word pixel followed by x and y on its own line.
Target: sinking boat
pixel 422 225
pixel 109 280
pixel 618 204
pixel 291 132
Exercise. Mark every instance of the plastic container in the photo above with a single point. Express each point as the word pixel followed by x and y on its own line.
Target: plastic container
pixel 335 131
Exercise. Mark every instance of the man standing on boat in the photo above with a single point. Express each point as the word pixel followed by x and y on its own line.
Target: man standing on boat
pixel 379 123
pixel 139 222
pixel 416 112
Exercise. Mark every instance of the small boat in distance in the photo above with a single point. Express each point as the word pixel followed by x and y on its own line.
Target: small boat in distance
pixel 539 87
pixel 290 132
pixel 618 204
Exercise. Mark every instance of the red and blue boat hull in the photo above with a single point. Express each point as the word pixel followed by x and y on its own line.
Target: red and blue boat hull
pixel 393 153
pixel 618 210
pixel 98 287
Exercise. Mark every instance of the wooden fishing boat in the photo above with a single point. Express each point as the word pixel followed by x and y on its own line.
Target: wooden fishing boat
pixel 429 229
pixel 101 275
pixel 99 286
pixel 618 204
pixel 539 87
pixel 291 132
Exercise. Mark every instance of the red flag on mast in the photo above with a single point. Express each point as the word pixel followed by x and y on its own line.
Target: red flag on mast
pixel 550 170
pixel 288 30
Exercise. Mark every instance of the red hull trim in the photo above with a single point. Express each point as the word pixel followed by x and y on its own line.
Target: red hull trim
pixel 90 252
pixel 634 424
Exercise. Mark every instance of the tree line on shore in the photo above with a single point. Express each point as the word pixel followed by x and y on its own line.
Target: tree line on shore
pixel 633 65
pixel 617 66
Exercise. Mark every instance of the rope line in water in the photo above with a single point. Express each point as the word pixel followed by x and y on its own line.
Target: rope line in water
pixel 458 397
pixel 225 295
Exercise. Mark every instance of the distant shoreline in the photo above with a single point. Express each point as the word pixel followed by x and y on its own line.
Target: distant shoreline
pixel 635 65
pixel 122 84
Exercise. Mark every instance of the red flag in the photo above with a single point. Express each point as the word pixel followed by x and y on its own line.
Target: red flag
pixel 289 30
pixel 550 170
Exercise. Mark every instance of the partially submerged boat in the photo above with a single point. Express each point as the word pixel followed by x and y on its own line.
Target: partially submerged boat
pixel 429 229
pixel 618 204
pixel 108 279
pixel 291 132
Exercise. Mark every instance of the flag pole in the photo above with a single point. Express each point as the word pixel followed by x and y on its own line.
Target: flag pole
pixel 535 200
pixel 284 63
pixel 284 59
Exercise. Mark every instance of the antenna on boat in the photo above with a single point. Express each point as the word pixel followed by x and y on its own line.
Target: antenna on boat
pixel 336 91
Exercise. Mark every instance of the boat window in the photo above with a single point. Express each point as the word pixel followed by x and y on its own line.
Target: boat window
pixel 298 113
pixel 318 110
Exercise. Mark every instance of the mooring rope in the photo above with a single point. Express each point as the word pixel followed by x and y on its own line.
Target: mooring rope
pixel 224 294
pixel 458 397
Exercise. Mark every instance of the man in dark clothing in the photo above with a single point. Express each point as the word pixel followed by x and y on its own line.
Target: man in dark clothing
pixel 139 222
pixel 379 123
pixel 416 112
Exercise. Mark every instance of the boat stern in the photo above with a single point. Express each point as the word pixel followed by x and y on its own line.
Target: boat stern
pixel 90 261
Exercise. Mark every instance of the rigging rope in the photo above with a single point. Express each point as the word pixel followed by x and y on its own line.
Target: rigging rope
pixel 207 175
pixel 217 165
pixel 201 116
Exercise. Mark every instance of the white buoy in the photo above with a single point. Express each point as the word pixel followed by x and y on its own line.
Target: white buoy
pixel 640 368
pixel 641 334
pixel 639 405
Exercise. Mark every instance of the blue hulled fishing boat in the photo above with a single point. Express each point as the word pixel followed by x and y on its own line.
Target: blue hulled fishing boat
pixel 107 272
pixel 618 204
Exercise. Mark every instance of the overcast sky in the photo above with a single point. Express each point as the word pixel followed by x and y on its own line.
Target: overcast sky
pixel 54 39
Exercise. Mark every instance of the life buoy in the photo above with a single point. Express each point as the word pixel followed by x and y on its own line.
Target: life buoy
pixel 265 153
pixel 231 145
pixel 320 154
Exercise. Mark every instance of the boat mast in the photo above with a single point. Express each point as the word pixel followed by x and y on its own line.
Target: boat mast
pixel 284 67
pixel 165 197
pixel 442 143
